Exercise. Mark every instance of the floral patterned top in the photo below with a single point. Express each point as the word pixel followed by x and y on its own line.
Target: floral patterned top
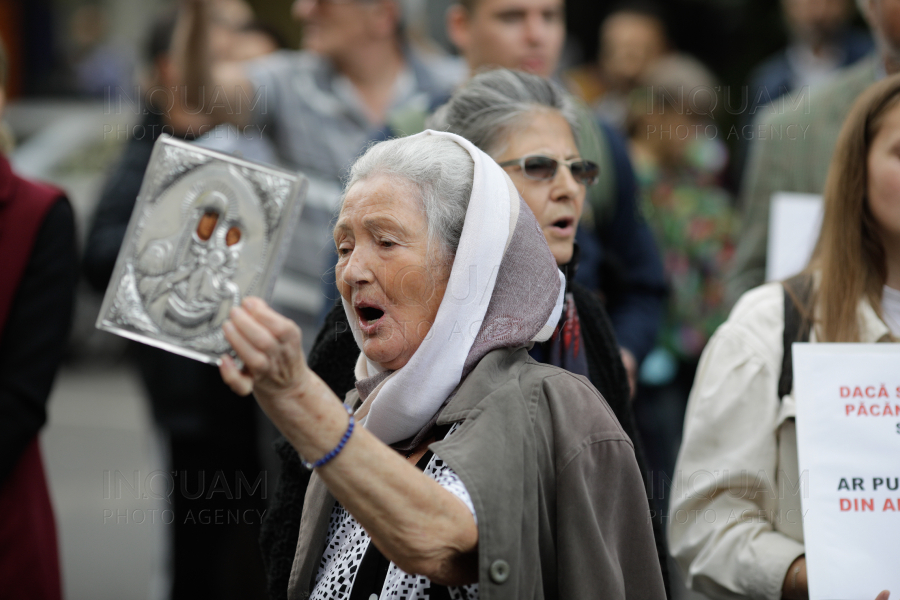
pixel 695 226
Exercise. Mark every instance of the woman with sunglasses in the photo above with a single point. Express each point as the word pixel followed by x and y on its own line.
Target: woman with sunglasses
pixel 527 124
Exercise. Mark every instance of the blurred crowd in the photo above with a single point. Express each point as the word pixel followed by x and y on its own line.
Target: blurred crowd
pixel 672 234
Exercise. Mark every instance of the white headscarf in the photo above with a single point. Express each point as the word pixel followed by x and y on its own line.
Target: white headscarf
pixel 505 290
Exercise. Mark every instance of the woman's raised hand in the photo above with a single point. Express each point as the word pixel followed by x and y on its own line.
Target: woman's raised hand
pixel 297 401
pixel 269 346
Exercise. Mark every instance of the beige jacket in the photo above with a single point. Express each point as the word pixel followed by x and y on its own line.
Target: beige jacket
pixel 560 502
pixel 735 520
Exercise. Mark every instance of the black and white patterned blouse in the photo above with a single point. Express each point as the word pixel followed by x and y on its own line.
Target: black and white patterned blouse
pixel 342 564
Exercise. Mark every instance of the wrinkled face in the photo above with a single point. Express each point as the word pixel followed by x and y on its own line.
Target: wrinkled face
pixel 527 35
pixel 884 178
pixel 557 203
pixel 331 28
pixel 384 271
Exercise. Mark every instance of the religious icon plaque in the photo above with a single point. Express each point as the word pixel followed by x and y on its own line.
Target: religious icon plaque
pixel 207 230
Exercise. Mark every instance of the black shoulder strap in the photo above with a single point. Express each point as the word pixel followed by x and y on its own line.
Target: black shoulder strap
pixel 797 295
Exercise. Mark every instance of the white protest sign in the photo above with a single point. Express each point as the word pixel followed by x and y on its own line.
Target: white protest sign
pixel 848 443
pixel 794 224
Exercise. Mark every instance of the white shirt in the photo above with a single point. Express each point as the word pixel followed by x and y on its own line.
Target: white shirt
pixel 348 541
pixel 890 308
pixel 735 519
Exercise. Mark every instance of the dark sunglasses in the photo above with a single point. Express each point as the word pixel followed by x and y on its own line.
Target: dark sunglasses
pixel 543 168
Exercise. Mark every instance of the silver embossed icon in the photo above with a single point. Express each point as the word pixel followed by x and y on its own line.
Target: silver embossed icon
pixel 207 230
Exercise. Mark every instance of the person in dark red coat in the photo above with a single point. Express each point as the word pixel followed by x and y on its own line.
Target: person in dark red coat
pixel 38 274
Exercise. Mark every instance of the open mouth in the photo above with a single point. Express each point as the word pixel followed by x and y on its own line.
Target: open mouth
pixel 369 315
pixel 564 224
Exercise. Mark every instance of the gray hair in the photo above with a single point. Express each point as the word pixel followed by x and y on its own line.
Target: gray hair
pixel 492 105
pixel 438 169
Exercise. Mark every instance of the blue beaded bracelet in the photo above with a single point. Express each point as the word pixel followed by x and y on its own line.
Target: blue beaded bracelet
pixel 337 449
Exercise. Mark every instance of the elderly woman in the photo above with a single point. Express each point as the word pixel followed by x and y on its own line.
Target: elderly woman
pixel 517 480
pixel 528 125
pixel 523 121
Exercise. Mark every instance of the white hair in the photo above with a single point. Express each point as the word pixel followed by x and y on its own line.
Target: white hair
pixel 494 104
pixel 440 172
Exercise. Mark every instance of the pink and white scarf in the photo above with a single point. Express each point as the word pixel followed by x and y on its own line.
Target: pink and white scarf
pixel 504 285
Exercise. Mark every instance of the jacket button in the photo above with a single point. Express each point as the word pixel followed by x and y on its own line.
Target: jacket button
pixel 499 571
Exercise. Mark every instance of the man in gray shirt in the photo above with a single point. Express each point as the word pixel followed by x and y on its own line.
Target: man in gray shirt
pixel 319 107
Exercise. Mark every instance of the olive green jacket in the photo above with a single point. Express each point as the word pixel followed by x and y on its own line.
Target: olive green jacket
pixel 560 503
pixel 793 140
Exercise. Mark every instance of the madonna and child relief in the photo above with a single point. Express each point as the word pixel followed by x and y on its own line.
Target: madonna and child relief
pixel 187 280
pixel 205 233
